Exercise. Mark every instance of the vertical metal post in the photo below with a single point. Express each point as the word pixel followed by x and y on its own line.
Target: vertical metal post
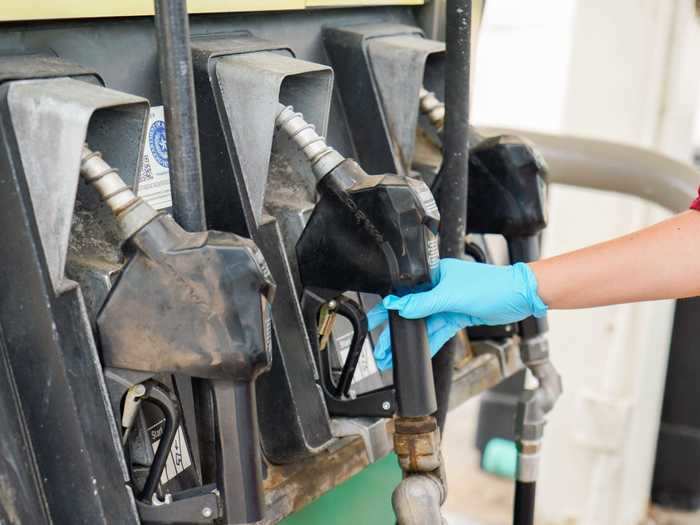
pixel 454 176
pixel 177 88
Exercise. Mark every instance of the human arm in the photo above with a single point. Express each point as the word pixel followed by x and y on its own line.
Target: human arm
pixel 659 262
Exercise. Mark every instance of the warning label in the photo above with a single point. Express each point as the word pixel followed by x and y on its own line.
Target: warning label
pixel 179 458
pixel 154 181
pixel 433 252
pixel 425 196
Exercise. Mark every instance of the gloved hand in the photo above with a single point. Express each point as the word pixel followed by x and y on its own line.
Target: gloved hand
pixel 441 328
pixel 468 294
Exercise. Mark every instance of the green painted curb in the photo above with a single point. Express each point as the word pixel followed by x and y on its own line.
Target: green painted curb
pixel 363 499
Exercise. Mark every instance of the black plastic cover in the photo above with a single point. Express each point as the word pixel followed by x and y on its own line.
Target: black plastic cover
pixel 378 235
pixel 507 188
pixel 147 321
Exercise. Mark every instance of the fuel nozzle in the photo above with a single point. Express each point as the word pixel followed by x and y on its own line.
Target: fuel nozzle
pixel 352 197
pixel 196 304
pixel 371 234
pixel 508 196
pixel 377 234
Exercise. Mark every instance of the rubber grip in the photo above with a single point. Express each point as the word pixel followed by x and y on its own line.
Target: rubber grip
pixel 239 466
pixel 413 369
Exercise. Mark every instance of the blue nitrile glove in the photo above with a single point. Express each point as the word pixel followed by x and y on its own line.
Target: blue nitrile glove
pixel 441 328
pixel 468 294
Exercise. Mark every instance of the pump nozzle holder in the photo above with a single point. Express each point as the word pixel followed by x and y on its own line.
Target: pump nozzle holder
pixel 195 304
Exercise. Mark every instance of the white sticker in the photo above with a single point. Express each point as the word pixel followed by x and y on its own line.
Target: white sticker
pixel 433 252
pixel 365 365
pixel 179 457
pixel 154 181
pixel 425 196
pixel 267 334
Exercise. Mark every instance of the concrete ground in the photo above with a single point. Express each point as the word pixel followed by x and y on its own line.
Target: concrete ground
pixel 477 498
pixel 473 497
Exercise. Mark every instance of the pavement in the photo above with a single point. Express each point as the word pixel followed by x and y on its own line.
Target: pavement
pixel 473 497
pixel 477 498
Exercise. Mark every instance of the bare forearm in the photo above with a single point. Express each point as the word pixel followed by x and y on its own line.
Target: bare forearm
pixel 659 262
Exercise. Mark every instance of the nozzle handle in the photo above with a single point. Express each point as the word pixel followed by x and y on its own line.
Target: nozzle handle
pixel 238 461
pixel 413 369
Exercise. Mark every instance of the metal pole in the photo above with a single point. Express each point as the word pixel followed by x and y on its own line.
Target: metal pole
pixel 454 176
pixel 177 88
pixel 455 164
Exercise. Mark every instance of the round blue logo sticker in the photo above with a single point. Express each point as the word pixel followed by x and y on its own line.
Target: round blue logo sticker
pixel 158 143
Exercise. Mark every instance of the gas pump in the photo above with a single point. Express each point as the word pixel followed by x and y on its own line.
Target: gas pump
pixel 507 196
pixel 170 302
pixel 135 341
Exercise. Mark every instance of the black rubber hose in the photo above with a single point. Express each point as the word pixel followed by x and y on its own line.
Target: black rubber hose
pixel 239 465
pixel 524 510
pixel 454 176
pixel 177 89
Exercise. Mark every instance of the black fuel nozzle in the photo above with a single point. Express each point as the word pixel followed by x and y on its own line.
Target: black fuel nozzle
pixel 371 234
pixel 377 234
pixel 508 196
pixel 195 304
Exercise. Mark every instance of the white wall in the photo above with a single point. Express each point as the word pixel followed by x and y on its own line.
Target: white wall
pixel 620 70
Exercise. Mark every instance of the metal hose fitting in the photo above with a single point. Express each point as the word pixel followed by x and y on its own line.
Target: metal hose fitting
pixel 417 500
pixel 528 460
pixel 431 107
pixel 322 157
pixel 534 405
pixel 131 212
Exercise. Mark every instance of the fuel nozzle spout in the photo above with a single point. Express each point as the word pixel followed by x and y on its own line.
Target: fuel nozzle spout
pixel 432 108
pixel 132 212
pixel 322 157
